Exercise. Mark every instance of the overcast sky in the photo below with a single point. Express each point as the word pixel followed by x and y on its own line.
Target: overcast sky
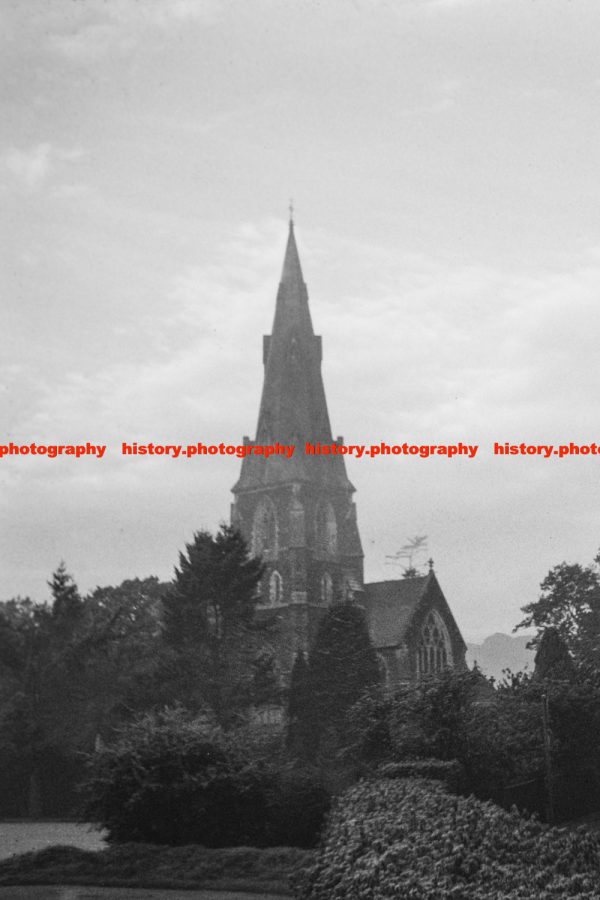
pixel 444 160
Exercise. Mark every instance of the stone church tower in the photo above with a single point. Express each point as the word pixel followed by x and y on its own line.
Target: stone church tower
pixel 298 513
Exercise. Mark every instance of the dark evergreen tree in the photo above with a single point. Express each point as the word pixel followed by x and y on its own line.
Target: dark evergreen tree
pixel 69 671
pixel 553 660
pixel 300 731
pixel 570 603
pixel 67 604
pixel 343 665
pixel 209 623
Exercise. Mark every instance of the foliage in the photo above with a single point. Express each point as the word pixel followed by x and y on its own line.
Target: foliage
pixel 552 659
pixel 570 603
pixel 368 733
pixel 427 717
pixel 68 672
pixel 260 871
pixel 498 740
pixel 299 735
pixel 210 636
pixel 411 840
pixel 342 666
pixel 449 771
pixel 171 779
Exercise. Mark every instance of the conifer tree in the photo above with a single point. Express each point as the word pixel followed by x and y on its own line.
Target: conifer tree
pixel 299 737
pixel 67 603
pixel 343 665
pixel 208 622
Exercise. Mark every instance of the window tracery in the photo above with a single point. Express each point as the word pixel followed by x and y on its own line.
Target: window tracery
pixel 264 529
pixel 433 651
pixel 326 529
pixel 275 589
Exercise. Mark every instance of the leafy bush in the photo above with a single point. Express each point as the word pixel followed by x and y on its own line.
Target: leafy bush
pixel 146 865
pixel 448 771
pixel 412 840
pixel 496 735
pixel 166 782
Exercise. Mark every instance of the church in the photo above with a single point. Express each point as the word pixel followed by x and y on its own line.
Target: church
pixel 299 515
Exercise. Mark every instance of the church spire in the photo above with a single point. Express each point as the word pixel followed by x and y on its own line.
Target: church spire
pixel 292 271
pixel 293 408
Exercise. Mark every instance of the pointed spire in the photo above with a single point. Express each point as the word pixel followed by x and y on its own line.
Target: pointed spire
pixel 292 271
pixel 293 407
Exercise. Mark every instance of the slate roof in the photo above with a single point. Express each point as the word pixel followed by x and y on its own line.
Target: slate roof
pixel 390 605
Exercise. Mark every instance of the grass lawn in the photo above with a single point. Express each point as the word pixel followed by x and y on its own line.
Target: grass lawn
pixel 95 893
pixel 243 869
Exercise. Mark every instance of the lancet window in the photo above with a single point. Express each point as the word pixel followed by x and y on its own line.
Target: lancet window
pixel 433 651
pixel 326 529
pixel 264 529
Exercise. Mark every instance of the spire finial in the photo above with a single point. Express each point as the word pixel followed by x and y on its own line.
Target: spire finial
pixel 291 210
pixel 430 564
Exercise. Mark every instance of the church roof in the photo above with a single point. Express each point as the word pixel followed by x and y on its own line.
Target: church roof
pixel 390 606
pixel 293 408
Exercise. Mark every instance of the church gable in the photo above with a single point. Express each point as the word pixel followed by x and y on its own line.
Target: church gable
pixel 412 627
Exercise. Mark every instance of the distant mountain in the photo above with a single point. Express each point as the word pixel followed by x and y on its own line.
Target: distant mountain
pixel 501 651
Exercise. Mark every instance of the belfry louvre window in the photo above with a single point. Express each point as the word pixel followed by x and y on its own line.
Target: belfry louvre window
pixel 433 651
pixel 326 529
pixel 264 529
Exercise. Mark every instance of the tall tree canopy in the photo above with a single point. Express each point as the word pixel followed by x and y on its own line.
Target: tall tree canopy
pixel 553 660
pixel 209 622
pixel 570 603
pixel 70 670
pixel 343 665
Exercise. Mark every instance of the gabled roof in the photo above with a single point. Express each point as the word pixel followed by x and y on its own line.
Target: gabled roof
pixel 392 606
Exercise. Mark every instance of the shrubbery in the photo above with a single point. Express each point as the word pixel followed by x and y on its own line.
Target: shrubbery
pixel 166 781
pixel 448 771
pixel 412 840
pixel 495 734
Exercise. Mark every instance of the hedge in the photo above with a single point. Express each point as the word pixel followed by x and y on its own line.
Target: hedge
pixel 412 840
pixel 448 771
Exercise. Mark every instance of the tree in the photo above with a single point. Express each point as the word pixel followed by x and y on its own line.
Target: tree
pixel 553 660
pixel 209 625
pixel 343 665
pixel 69 671
pixel 570 603
pixel 67 604
pixel 299 736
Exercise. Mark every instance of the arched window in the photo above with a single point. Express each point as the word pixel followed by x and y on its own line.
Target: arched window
pixel 264 529
pixel 297 536
pixel 326 529
pixel 326 589
pixel 275 589
pixel 384 670
pixel 433 651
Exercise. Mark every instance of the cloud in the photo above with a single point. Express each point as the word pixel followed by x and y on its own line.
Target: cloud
pixel 416 347
pixel 31 168
pixel 98 28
